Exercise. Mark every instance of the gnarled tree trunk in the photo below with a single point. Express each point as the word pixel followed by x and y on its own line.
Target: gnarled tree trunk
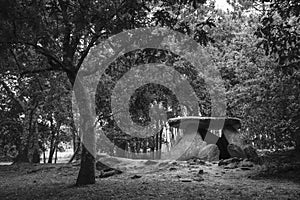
pixel 87 168
pixel 23 149
pixel 88 165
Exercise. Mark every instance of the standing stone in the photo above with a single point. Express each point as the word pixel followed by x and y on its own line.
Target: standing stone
pixel 236 151
pixel 251 153
pixel 190 147
pixel 221 142
pixel 210 152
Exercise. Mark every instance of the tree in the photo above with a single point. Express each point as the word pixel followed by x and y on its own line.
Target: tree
pixel 26 93
pixel 32 96
pixel 10 123
pixel 260 90
pixel 64 31
pixel 279 32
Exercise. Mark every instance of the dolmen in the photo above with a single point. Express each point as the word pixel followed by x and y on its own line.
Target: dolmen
pixel 211 138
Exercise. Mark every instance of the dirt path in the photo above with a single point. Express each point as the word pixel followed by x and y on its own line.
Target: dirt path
pixel 144 180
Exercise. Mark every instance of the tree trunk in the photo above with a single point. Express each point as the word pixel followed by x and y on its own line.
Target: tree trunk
pixel 23 149
pixel 76 154
pixel 145 145
pixel 22 155
pixel 51 154
pixel 137 147
pixel 87 168
pixel 152 147
pixel 75 136
pixel 78 148
pixel 52 141
pixel 160 142
pixel 44 156
pixel 156 141
pixel 36 158
pixel 131 147
pixel 55 159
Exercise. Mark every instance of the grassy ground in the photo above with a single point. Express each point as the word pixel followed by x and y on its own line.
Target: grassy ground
pixel 277 179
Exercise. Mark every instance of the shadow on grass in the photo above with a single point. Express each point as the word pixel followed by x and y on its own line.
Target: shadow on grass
pixel 284 165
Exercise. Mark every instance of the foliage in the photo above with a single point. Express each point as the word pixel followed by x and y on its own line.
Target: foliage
pixel 262 91
pixel 62 32
pixel 28 98
pixel 44 43
pixel 279 32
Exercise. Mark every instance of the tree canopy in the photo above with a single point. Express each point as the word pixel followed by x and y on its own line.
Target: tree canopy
pixel 44 43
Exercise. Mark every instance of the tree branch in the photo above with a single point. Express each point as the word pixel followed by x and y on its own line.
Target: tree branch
pixel 93 40
pixel 2 123
pixel 86 51
pixel 39 71
pixel 46 53
pixel 67 32
pixel 16 60
pixel 12 95
pixel 43 51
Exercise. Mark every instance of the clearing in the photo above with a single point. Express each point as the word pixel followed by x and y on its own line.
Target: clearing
pixel 278 178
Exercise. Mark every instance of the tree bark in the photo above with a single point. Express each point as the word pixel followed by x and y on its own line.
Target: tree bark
pixel 23 149
pixel 52 141
pixel 22 155
pixel 76 153
pixel 75 136
pixel 36 158
pixel 55 159
pixel 145 145
pixel 51 153
pixel 44 157
pixel 160 142
pixel 87 168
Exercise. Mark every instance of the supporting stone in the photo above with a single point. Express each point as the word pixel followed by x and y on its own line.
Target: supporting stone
pixel 210 152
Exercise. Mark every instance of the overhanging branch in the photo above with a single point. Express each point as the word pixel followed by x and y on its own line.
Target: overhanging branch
pixel 40 71
pixel 43 51
pixel 12 95
pixel 47 53
pixel 86 51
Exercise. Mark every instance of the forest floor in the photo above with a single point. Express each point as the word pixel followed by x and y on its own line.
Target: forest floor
pixel 277 178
